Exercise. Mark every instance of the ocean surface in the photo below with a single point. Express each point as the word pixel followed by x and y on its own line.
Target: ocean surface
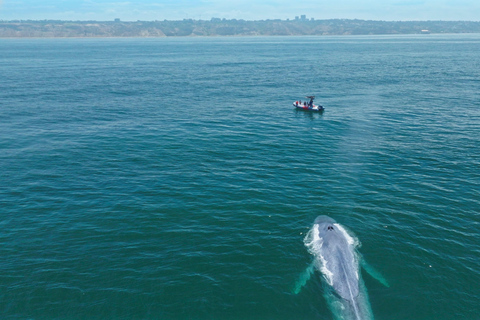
pixel 173 179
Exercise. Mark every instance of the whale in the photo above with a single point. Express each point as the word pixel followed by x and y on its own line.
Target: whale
pixel 335 256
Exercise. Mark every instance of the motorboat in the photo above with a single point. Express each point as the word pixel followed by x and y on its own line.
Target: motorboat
pixel 308 106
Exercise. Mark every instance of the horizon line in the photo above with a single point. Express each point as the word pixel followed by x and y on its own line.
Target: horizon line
pixel 215 19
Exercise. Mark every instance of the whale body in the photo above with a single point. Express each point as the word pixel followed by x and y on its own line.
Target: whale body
pixel 336 257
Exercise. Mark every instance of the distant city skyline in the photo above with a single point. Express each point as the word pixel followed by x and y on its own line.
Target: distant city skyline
pixel 149 10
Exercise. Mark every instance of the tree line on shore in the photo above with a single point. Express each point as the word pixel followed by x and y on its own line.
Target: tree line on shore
pixel 223 27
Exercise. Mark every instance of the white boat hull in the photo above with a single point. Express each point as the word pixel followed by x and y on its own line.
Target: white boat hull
pixel 315 108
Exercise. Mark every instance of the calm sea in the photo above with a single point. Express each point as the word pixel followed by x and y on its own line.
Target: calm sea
pixel 173 179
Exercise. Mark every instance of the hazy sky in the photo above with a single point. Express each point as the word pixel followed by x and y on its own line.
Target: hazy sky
pixel 240 9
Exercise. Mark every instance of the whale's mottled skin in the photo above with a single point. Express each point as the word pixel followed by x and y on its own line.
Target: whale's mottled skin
pixel 335 256
pixel 340 261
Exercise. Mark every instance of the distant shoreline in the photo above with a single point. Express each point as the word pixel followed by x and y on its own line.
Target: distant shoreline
pixel 223 27
pixel 212 37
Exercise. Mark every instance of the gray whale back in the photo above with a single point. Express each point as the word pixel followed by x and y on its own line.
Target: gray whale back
pixel 335 250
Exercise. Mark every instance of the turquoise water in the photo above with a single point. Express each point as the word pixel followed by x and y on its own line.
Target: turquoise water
pixel 173 179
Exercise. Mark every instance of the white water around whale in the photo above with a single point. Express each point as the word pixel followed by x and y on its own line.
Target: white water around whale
pixel 359 307
pixel 314 244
